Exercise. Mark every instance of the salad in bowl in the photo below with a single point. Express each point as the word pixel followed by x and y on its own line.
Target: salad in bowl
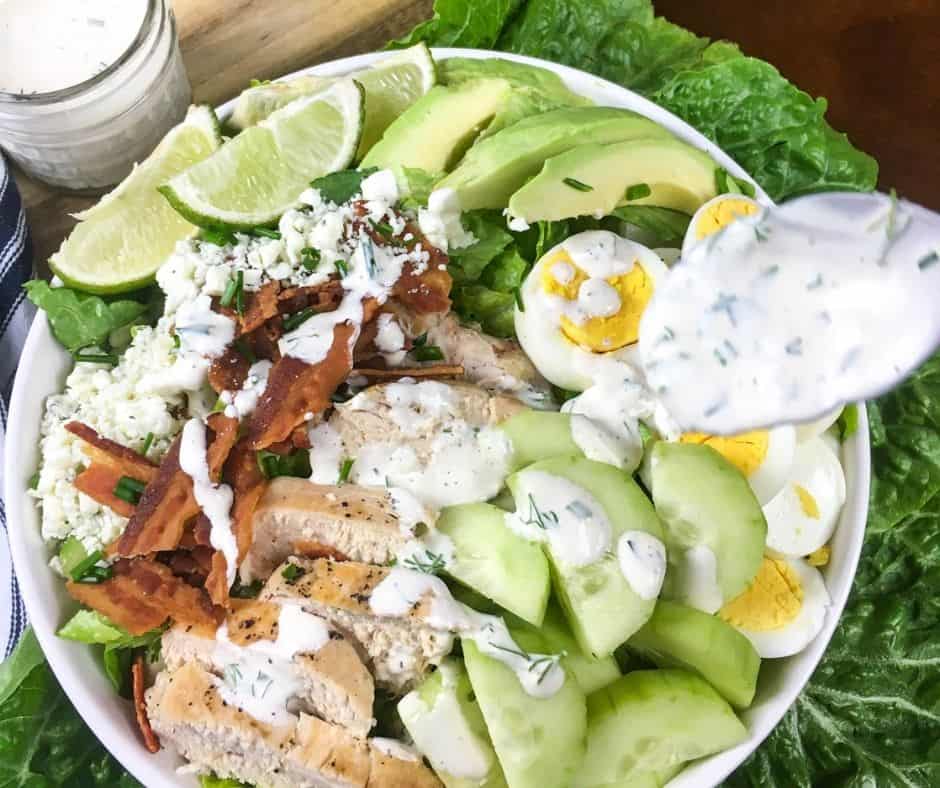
pixel 371 490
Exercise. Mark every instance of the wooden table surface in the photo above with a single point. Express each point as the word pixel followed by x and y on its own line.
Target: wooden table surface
pixel 878 63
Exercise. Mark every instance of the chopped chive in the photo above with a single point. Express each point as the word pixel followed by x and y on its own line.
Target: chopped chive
pixel 240 293
pixel 266 232
pixel 229 295
pixel 249 591
pixel 638 191
pixel 129 489
pixel 296 464
pixel 95 575
pixel 721 359
pixel 217 237
pixel 257 83
pixel 574 183
pixel 292 573
pixel 148 442
pixel 420 340
pixel 382 228
pixel 428 353
pixel 176 340
pixel 242 346
pixel 34 481
pixel 79 570
pixel 794 347
pixel 219 406
pixel 344 470
pixel 298 318
pixel 95 358
pixel 928 260
pixel 518 296
pixel 310 258
pixel 342 267
pixel 368 253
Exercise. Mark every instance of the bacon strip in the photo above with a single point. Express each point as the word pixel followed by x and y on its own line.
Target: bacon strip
pixel 142 594
pixel 229 371
pixel 165 506
pixel 113 454
pixel 217 579
pixel 296 388
pixel 98 481
pixel 224 440
pixel 151 742
pixel 261 307
pixel 248 484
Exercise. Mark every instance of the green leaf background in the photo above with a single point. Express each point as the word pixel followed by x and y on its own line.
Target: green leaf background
pixel 870 716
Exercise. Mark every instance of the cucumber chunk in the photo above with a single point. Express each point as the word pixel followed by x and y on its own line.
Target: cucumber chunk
pixel 651 721
pixel 447 726
pixel 539 741
pixel 491 559
pixel 706 504
pixel 600 605
pixel 537 435
pixel 677 636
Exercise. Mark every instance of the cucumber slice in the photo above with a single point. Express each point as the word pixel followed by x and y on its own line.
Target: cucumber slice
pixel 539 741
pixel 654 720
pixel 554 637
pixel 601 607
pixel 537 435
pixel 706 503
pixel 491 559
pixel 677 636
pixel 447 726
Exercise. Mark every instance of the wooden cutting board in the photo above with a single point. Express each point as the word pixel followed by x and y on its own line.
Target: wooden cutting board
pixel 225 43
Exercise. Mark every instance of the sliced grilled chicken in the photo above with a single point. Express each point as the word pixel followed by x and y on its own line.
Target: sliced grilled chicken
pixel 188 712
pixel 399 649
pixel 297 517
pixel 332 682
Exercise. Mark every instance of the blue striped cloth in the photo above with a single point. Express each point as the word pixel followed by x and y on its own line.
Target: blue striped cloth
pixel 16 314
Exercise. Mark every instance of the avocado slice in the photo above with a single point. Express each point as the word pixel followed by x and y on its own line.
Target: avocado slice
pixel 651 721
pixel 534 89
pixel 705 504
pixel 499 165
pixel 594 179
pixel 435 131
pixel 677 636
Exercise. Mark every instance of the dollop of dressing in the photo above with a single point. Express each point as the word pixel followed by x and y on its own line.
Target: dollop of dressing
pixel 540 675
pixel 260 678
pixel 563 514
pixel 214 499
pixel 784 314
pixel 642 559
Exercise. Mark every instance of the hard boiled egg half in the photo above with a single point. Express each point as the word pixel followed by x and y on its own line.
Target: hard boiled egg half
pixel 764 457
pixel 582 303
pixel 783 609
pixel 803 515
pixel 716 214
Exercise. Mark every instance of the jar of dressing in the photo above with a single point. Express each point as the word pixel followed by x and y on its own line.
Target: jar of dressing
pixel 87 87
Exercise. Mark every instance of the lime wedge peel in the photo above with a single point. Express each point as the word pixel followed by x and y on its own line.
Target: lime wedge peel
pixel 120 242
pixel 257 176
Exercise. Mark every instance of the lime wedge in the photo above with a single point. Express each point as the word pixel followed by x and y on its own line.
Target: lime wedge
pixel 258 175
pixel 255 104
pixel 391 86
pixel 120 242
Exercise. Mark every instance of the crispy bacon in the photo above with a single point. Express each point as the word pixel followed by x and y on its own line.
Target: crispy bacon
pixel 425 292
pixel 225 431
pixel 151 742
pixel 192 564
pixel 432 371
pixel 165 506
pixel 228 371
pixel 260 308
pixel 248 483
pixel 296 388
pixel 98 482
pixel 143 593
pixel 111 453
pixel 217 580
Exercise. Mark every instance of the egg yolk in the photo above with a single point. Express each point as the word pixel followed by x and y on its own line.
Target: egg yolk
pixel 807 501
pixel 819 557
pixel 746 451
pixel 601 334
pixel 772 601
pixel 721 214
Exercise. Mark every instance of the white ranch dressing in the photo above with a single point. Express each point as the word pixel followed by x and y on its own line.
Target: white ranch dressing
pixel 554 510
pixel 215 500
pixel 600 254
pixel 239 404
pixel 642 559
pixel 390 339
pixel 203 335
pixel 540 675
pixel 260 678
pixel 48 45
pixel 695 580
pixel 787 313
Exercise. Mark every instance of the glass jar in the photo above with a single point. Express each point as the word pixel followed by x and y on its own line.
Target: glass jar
pixel 87 136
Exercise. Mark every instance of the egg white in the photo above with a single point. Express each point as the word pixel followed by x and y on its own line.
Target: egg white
pixel 768 479
pixel 790 531
pixel 690 238
pixel 539 331
pixel 813 429
pixel 796 635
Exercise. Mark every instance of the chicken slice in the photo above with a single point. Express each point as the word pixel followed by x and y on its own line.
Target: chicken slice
pixel 298 517
pixel 399 649
pixel 188 712
pixel 333 682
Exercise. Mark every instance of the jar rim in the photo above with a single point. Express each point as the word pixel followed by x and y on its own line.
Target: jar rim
pixel 70 91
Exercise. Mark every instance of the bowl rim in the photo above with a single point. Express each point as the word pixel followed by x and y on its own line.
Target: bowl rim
pixel 114 726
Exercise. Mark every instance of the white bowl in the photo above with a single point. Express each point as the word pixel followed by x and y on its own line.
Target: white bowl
pixel 43 369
